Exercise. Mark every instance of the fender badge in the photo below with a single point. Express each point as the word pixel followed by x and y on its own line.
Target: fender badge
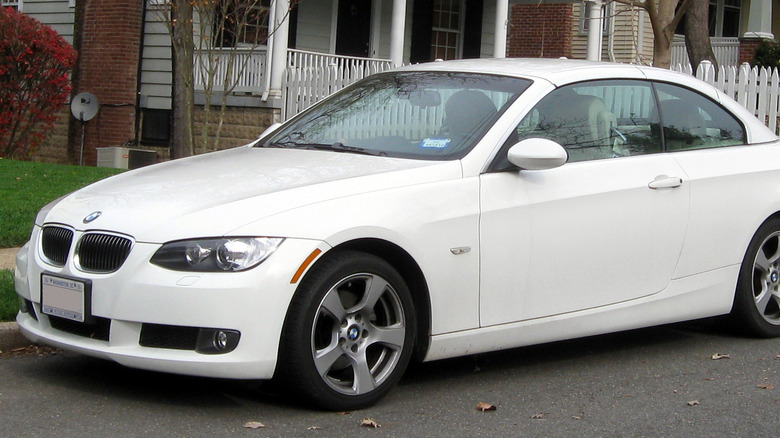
pixel 92 216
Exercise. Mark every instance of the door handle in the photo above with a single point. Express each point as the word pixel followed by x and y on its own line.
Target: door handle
pixel 665 182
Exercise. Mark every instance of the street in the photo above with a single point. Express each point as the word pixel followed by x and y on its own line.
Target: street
pixel 654 382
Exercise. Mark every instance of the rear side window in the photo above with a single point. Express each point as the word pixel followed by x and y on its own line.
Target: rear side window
pixel 692 121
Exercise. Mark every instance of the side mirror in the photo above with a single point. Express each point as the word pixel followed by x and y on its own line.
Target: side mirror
pixel 537 154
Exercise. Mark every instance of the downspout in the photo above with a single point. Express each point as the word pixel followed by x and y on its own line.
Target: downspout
pixel 136 140
pixel 611 36
pixel 269 49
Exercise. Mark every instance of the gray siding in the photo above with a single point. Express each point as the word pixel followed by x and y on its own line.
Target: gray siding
pixel 156 77
pixel 56 13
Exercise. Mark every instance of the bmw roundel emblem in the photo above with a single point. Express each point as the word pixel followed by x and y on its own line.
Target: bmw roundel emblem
pixel 92 216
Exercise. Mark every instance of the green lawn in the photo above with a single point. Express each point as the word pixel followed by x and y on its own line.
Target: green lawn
pixel 25 187
pixel 9 304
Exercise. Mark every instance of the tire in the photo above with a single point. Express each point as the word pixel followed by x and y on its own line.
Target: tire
pixel 349 333
pixel 756 309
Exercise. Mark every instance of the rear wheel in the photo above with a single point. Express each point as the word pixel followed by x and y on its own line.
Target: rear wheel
pixel 349 333
pixel 757 301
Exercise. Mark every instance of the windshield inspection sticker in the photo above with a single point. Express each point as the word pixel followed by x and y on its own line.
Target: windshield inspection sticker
pixel 435 143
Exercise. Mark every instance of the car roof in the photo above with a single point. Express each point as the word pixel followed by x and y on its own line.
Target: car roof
pixel 556 71
pixel 564 71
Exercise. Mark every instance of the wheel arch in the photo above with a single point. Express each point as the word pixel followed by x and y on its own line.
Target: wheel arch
pixel 411 272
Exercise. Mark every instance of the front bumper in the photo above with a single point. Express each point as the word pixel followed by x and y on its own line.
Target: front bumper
pixel 141 296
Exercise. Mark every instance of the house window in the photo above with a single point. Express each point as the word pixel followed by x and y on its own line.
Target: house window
pixel 16 4
pixel 446 38
pixel 606 11
pixel 156 127
pixel 724 18
pixel 245 25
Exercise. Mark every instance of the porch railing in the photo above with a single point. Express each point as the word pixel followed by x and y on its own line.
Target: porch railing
pixel 726 51
pixel 248 67
pixel 312 76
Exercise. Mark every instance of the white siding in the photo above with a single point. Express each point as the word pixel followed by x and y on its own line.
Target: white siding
pixel 56 13
pixel 156 77
pixel 314 25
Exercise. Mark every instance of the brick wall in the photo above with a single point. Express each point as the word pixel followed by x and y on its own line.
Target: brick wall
pixel 54 148
pixel 108 63
pixel 747 49
pixel 540 30
pixel 241 125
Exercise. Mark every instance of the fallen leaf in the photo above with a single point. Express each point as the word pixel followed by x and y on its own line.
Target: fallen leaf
pixel 254 425
pixel 367 422
pixel 344 413
pixel 717 356
pixel 693 403
pixel 539 416
pixel 482 406
pixel 777 357
pixel 579 417
pixel 314 428
pixel 768 386
pixel 709 379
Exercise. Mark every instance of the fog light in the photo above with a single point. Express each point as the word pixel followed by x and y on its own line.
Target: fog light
pixel 217 341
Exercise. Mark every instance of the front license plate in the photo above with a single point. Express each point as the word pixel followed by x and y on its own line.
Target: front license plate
pixel 65 297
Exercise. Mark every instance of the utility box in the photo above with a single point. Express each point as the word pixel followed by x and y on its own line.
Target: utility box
pixel 125 158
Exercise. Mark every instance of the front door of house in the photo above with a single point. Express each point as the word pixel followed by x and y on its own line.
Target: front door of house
pixel 353 30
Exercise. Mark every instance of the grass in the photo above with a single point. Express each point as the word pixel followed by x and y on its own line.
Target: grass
pixel 25 187
pixel 9 304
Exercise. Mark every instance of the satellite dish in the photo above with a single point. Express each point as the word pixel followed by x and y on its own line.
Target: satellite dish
pixel 84 106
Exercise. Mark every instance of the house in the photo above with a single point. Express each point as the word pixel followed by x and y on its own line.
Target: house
pixel 309 48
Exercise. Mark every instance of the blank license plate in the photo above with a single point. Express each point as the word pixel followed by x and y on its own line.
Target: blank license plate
pixel 64 297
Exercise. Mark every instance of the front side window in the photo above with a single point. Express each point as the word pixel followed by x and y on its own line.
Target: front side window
pixel 596 120
pixel 424 115
pixel 692 121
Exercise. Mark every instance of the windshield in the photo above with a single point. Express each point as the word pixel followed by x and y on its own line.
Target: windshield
pixel 423 115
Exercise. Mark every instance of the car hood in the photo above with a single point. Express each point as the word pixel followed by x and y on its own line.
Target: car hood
pixel 210 195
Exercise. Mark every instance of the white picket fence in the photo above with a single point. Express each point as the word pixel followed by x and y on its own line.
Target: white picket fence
pixel 310 77
pixel 757 89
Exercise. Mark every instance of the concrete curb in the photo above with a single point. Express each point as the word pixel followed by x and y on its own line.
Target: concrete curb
pixel 11 338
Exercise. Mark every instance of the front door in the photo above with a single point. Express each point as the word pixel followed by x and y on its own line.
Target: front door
pixel 353 30
pixel 605 228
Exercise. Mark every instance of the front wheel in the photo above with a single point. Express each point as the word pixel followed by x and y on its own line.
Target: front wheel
pixel 757 301
pixel 349 333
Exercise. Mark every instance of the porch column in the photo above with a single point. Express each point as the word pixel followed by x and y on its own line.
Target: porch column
pixel 397 32
pixel 594 31
pixel 760 20
pixel 502 15
pixel 278 56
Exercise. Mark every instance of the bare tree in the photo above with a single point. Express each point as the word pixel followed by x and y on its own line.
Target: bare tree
pixel 664 16
pixel 697 35
pixel 180 26
pixel 214 42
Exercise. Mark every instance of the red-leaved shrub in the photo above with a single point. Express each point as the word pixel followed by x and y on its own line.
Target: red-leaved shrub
pixel 35 64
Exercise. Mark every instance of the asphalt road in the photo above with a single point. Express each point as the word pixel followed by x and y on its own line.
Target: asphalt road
pixel 653 382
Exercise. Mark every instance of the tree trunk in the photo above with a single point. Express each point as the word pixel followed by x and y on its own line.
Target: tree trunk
pixel 183 79
pixel 697 36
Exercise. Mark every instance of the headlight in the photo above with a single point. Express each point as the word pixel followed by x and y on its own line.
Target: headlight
pixel 216 255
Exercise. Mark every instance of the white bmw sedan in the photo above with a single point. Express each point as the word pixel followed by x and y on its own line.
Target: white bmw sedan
pixel 437 210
